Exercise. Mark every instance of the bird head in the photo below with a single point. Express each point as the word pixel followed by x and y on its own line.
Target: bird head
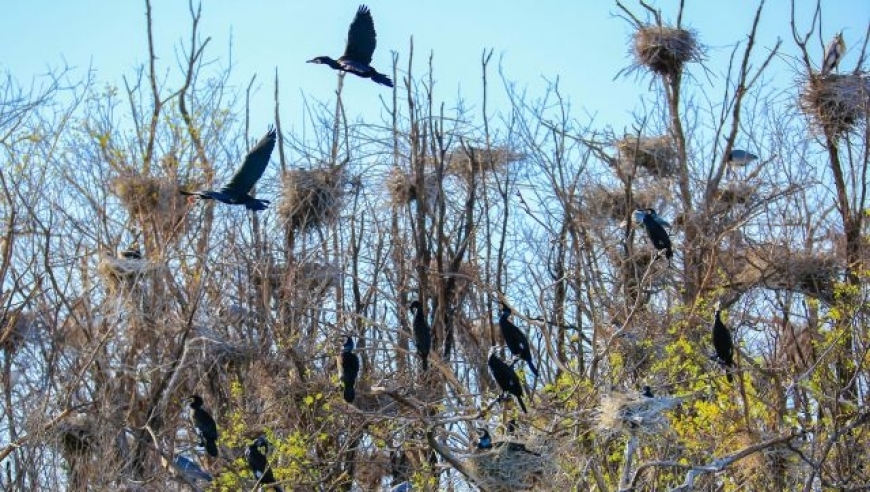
pixel 485 441
pixel 505 310
pixel 348 345
pixel 841 44
pixel 415 305
pixel 262 443
pixel 319 60
pixel 195 401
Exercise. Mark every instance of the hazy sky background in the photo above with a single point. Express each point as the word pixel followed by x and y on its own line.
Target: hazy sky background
pixel 582 43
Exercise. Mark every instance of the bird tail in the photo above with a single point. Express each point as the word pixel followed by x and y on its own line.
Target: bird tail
pixel 349 394
pixel 211 448
pixel 257 205
pixel 425 357
pixel 532 367
pixel 382 79
pixel 522 405
pixel 277 488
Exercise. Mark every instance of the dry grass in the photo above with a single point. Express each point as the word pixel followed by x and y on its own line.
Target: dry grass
pixel 836 102
pixel 312 197
pixel 664 50
pixel 656 155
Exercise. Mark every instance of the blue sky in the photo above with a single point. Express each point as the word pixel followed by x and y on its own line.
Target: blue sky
pixel 582 43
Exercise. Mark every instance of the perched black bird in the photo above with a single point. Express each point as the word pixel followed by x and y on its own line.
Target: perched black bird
pixel 506 378
pixel 205 426
pixel 485 443
pixel 349 364
pixel 723 344
pixel 516 340
pixel 656 232
pixel 647 392
pixel 255 455
pixel 357 57
pixel 131 253
pixel 422 333
pixel 236 191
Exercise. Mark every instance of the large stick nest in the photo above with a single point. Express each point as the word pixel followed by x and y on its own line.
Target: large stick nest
pixel 463 161
pixel 312 197
pixel 657 155
pixel 505 468
pixel 776 268
pixel 120 273
pixel 664 50
pixel 626 413
pixel 611 203
pixel 151 200
pixel 402 187
pixel 836 102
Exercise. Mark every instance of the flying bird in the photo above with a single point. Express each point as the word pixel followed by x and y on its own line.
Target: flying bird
pixel 723 344
pixel 506 378
pixel 655 229
pixel 204 424
pixel 422 333
pixel 515 339
pixel 255 455
pixel 349 364
pixel 357 57
pixel 236 192
pixel 833 53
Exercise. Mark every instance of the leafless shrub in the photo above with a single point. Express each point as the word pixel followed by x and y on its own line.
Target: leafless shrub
pixel 835 102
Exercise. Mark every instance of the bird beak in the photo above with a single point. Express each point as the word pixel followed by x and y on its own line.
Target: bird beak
pixel 313 60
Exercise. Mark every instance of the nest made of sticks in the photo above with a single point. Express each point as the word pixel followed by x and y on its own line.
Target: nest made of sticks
pixel 775 267
pixel 736 193
pixel 664 50
pixel 312 197
pixel 402 187
pixel 657 155
pixel 151 199
pixel 610 203
pixel 120 273
pixel 16 327
pixel 504 468
pixel 835 102
pixel 463 161
pixel 628 413
pixel 76 436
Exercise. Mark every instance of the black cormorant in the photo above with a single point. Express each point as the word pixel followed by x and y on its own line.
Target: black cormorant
pixel 647 392
pixel 422 333
pixel 255 455
pixel 506 378
pixel 656 232
pixel 349 364
pixel 357 57
pixel 723 344
pixel 515 339
pixel 236 191
pixel 205 426
pixel 485 443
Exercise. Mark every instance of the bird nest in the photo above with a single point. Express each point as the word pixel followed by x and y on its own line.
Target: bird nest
pixel 504 468
pixel 312 197
pixel 610 203
pixel 120 273
pixel 151 199
pixel 76 436
pixel 836 102
pixel 402 187
pixel 15 328
pixel 656 155
pixel 736 193
pixel 777 268
pixel 664 50
pixel 632 414
pixel 464 161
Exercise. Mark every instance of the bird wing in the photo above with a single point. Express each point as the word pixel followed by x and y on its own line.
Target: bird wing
pixel 253 166
pixel 361 37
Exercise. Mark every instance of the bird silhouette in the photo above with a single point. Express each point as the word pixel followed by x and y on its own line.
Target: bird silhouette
pixel 422 333
pixel 723 344
pixel 349 364
pixel 506 378
pixel 361 43
pixel 647 392
pixel 515 339
pixel 485 443
pixel 655 229
pixel 204 424
pixel 834 52
pixel 236 192
pixel 255 455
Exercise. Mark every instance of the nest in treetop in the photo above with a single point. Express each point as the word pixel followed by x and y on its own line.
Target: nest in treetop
pixel 16 327
pixel 835 102
pixel 503 468
pixel 627 413
pixel 76 436
pixel 312 197
pixel 151 199
pixel 656 155
pixel 462 161
pixel 776 268
pixel 735 193
pixel 610 203
pixel 120 272
pixel 664 50
pixel 402 187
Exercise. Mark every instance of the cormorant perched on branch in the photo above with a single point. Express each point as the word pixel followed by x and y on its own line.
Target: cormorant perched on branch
pixel 361 43
pixel 506 378
pixel 349 365
pixel 516 340
pixel 656 231
pixel 255 455
pixel 486 443
pixel 422 333
pixel 205 426
pixel 723 344
pixel 834 52
pixel 236 191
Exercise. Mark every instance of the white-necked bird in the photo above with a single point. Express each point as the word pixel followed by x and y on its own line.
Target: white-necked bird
pixel 834 52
